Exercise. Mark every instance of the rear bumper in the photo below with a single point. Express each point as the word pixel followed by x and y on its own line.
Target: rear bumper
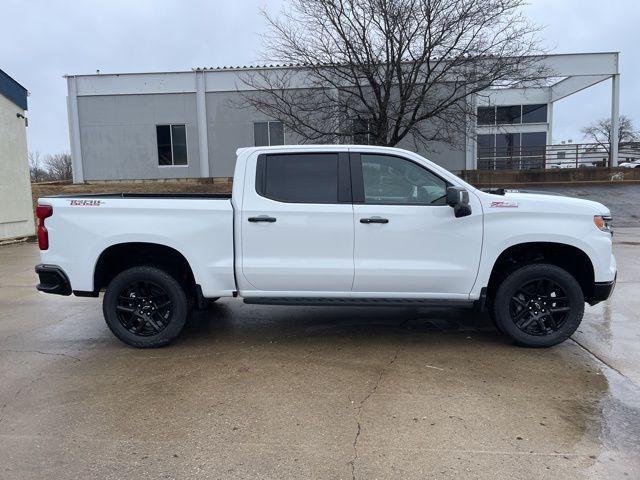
pixel 53 280
pixel 602 291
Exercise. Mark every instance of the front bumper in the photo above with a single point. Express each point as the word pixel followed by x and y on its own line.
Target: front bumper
pixel 602 291
pixel 53 280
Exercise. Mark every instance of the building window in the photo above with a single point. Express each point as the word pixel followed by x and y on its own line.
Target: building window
pixel 533 149
pixel 508 115
pixel 511 150
pixel 172 144
pixel 268 133
pixel 534 113
pixel 512 114
pixel 533 143
pixel 486 115
pixel 486 145
pixel 361 132
pixel 507 144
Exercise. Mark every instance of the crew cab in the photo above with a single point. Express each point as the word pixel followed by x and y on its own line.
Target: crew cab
pixel 331 225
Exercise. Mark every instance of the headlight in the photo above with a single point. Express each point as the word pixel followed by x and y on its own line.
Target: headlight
pixel 603 222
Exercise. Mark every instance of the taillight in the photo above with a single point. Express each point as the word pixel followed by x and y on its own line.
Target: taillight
pixel 42 212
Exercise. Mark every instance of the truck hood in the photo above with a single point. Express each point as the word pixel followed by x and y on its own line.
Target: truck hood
pixel 543 201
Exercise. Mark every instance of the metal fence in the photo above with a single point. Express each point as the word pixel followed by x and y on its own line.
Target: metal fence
pixel 566 155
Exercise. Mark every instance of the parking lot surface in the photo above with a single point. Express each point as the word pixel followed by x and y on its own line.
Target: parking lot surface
pixel 288 392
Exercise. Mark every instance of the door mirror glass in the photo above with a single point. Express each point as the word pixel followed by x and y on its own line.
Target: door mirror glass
pixel 458 199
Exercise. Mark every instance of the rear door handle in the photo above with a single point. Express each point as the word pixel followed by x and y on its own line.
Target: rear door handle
pixel 374 220
pixel 262 218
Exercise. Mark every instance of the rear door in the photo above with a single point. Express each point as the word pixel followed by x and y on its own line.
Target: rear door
pixel 407 240
pixel 297 224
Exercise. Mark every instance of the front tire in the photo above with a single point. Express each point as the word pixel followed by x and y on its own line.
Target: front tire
pixel 538 305
pixel 145 307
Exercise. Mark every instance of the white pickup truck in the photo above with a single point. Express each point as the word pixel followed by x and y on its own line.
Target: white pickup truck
pixel 331 225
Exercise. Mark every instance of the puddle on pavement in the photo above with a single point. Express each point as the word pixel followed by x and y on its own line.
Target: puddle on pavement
pixel 620 414
pixel 615 426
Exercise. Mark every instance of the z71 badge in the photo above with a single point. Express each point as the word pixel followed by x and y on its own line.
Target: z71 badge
pixel 85 203
pixel 502 204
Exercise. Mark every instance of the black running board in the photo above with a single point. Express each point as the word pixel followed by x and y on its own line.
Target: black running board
pixel 358 302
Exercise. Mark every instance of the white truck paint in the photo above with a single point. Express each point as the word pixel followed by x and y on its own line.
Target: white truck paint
pixel 323 250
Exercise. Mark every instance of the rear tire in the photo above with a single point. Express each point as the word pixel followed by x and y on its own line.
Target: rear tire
pixel 145 307
pixel 538 305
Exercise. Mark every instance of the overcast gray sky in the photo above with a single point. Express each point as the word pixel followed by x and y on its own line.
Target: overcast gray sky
pixel 45 39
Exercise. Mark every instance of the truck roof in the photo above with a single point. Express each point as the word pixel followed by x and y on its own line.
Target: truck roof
pixel 328 147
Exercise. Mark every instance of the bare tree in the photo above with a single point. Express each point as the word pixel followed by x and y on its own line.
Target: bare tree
pixel 37 172
pixel 390 69
pixel 600 132
pixel 59 166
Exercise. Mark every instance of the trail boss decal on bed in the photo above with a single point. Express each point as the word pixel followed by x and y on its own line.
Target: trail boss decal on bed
pixel 503 204
pixel 86 203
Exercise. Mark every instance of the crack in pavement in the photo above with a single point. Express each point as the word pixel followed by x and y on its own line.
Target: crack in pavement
pixel 352 462
pixel 4 405
pixel 25 332
pixel 601 360
pixel 42 353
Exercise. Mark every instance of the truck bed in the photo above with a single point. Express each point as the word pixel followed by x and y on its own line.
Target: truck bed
pixel 198 226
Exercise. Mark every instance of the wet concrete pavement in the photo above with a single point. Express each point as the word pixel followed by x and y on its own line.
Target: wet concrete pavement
pixel 288 392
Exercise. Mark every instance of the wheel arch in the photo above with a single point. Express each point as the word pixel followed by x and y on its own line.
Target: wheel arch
pixel 121 256
pixel 568 257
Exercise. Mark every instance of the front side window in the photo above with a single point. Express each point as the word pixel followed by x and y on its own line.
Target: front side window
pixel 299 178
pixel 268 133
pixel 394 180
pixel 172 144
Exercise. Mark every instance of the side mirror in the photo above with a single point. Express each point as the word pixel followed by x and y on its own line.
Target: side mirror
pixel 458 199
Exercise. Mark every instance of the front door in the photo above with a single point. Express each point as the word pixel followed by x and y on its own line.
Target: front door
pixel 407 240
pixel 297 225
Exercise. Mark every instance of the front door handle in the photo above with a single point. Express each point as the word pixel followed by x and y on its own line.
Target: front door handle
pixel 262 218
pixel 374 220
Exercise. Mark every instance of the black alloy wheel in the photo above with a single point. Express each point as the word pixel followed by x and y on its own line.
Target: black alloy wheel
pixel 144 308
pixel 540 307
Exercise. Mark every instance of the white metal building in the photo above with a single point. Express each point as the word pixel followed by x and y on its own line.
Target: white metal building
pixel 187 125
pixel 16 214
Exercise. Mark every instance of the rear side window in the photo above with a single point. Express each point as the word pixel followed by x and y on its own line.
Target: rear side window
pixel 299 178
